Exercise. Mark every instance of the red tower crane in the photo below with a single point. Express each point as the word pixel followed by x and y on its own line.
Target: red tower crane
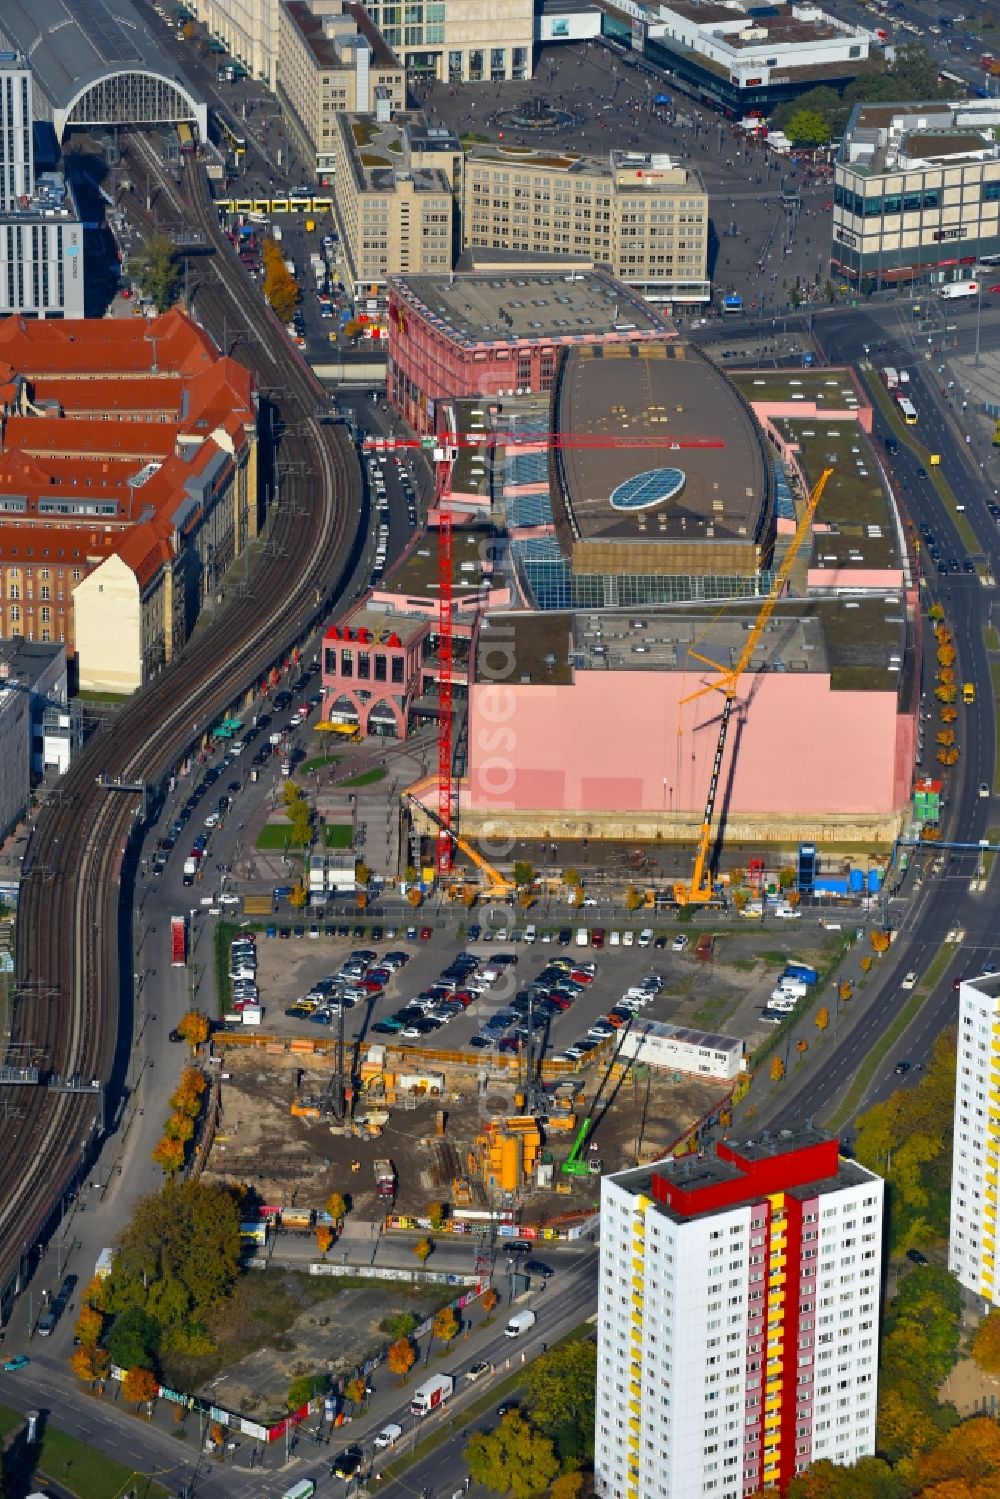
pixel 443 446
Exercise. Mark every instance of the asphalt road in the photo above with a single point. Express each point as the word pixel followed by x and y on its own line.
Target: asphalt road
pixel 928 911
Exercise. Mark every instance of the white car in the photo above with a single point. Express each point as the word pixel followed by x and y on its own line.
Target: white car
pixel 228 899
pixel 910 980
pixel 212 820
pixel 680 943
pixel 628 938
pixel 645 936
pixel 984 790
pixel 614 939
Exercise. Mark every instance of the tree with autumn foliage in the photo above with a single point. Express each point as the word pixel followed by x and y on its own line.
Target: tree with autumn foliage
pixel 336 1206
pixel 969 1452
pixel 168 1155
pixel 907 1139
pixel 89 1326
pixel 446 1325
pixel 822 1020
pixel 777 1069
pixel 880 940
pixel 802 1046
pixel 423 1248
pixel 324 1237
pixel 986 1344
pixel 193 1028
pixel 512 1459
pixel 179 1127
pixel 488 1302
pixel 356 1391
pixel 89 1364
pixel 567 1486
pixel 186 1097
pixel 401 1357
pixel 139 1386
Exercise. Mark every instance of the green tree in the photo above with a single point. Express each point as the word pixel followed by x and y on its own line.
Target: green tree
pixel 560 1392
pixel 156 270
pixel 302 1390
pixel 823 101
pixel 134 1340
pixel 871 1478
pixel 400 1325
pixel 571 877
pixel 524 874
pixel 180 1255
pixel 512 1459
pixel 362 874
pixel 808 127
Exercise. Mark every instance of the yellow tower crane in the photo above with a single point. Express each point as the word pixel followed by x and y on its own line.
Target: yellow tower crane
pixel 699 889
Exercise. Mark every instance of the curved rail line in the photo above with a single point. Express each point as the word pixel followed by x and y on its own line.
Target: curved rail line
pixel 71 927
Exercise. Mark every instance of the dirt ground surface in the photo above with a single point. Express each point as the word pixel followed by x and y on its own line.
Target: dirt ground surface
pixel 334 1334
pixel 970 1390
pixel 297 1162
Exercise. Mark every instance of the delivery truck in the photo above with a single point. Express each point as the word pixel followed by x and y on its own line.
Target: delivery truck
pixel 385 1180
pixel 432 1394
pixel 519 1323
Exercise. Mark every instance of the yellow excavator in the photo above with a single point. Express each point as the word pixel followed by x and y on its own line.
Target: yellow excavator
pixel 698 891
pixel 496 886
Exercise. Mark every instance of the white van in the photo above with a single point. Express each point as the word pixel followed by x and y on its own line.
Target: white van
pixel 787 912
pixel 582 937
pixel 529 932
pixel 645 936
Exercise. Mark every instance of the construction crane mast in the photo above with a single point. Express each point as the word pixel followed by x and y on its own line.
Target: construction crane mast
pixel 443 447
pixel 699 889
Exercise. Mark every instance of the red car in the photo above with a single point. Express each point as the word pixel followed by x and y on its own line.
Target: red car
pixel 460 997
pixel 579 977
pixel 425 934
pixel 995 290
pixel 597 937
pixel 559 1000
pixel 126 292
pixel 372 985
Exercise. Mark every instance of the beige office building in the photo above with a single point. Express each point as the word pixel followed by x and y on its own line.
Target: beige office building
pixel 333 61
pixel 394 198
pixel 643 216
pixel 459 41
pixel 249 29
pixel 916 192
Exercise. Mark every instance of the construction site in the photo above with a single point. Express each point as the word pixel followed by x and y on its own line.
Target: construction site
pixel 454 1136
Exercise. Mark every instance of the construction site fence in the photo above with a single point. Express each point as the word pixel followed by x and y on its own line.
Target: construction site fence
pixel 501 1062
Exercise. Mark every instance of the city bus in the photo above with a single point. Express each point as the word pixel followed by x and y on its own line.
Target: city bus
pixel 907 410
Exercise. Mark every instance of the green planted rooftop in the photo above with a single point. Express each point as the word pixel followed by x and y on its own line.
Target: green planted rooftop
pixel 830 390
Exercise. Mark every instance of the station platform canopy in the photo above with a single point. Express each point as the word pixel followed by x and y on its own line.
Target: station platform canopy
pixel 95 64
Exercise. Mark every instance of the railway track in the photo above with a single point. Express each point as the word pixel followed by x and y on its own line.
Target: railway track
pixel 73 928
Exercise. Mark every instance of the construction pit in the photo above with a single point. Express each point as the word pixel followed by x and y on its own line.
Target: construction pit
pixel 442 1130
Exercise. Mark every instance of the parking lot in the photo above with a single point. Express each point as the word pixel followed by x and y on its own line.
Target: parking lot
pixel 452 992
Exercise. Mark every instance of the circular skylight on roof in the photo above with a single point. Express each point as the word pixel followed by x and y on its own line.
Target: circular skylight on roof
pixel 643 491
